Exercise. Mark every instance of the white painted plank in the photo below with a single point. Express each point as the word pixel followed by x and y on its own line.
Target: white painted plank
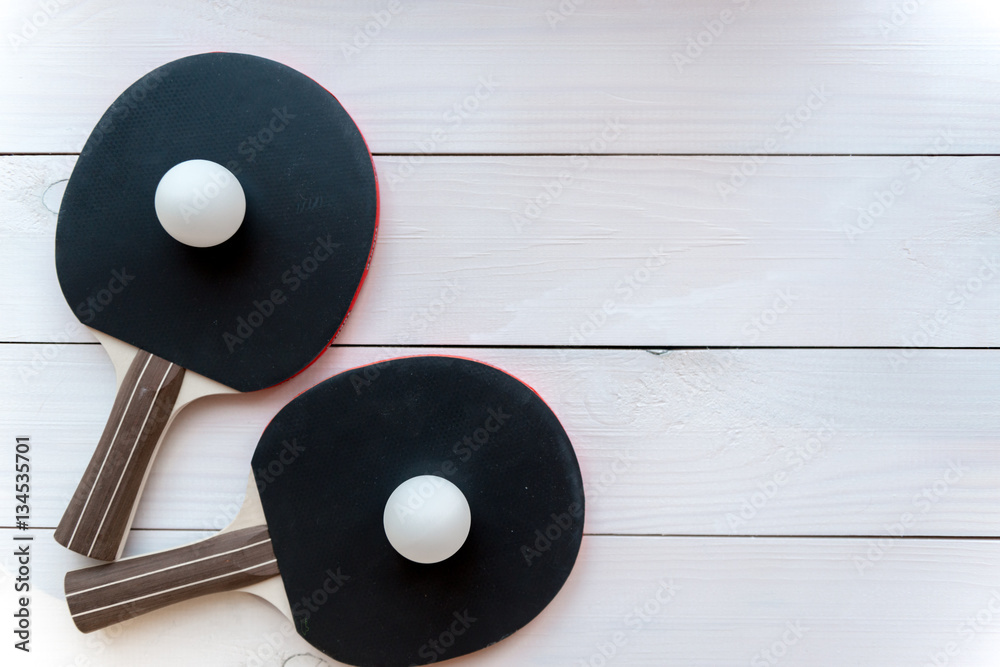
pixel 891 79
pixel 473 250
pixel 751 442
pixel 667 601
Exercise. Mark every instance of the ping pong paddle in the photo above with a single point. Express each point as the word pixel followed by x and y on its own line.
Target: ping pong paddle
pixel 182 317
pixel 313 536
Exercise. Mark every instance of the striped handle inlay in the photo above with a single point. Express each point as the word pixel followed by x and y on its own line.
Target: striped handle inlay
pixel 108 594
pixel 98 517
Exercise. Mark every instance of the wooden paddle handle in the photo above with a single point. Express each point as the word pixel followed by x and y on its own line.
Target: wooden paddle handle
pixel 108 594
pixel 98 517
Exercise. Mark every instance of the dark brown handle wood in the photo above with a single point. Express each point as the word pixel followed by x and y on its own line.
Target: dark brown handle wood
pixel 98 517
pixel 108 594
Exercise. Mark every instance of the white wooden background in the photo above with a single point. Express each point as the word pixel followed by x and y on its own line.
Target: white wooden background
pixel 718 236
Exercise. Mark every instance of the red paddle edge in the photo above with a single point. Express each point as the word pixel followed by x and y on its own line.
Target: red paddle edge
pixel 371 251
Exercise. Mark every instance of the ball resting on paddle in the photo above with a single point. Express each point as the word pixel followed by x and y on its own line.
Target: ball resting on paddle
pixel 200 203
pixel 427 519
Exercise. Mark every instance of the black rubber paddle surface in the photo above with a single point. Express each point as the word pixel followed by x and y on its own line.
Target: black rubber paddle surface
pixel 260 307
pixel 328 462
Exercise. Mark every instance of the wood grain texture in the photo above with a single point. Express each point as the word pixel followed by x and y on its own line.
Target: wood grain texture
pixel 107 594
pixel 727 601
pixel 719 442
pixel 98 517
pixel 638 251
pixel 554 75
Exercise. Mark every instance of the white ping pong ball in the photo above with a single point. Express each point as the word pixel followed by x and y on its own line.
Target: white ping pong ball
pixel 200 203
pixel 427 519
